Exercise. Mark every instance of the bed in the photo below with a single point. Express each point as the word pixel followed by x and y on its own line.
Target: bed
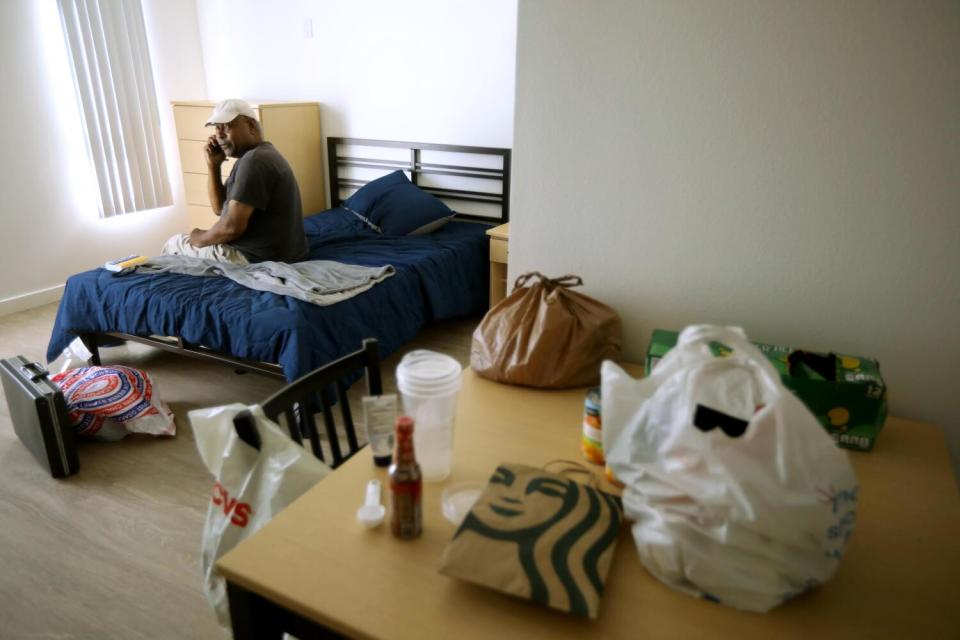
pixel 440 275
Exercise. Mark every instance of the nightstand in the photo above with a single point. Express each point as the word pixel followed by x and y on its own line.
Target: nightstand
pixel 499 250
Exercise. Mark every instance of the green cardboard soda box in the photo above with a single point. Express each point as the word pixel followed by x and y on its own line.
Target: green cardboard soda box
pixel 846 393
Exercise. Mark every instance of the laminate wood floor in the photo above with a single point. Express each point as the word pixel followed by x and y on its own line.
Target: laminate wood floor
pixel 114 551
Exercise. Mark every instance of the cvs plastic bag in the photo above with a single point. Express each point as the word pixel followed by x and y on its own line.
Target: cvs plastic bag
pixel 251 486
pixel 737 493
pixel 546 335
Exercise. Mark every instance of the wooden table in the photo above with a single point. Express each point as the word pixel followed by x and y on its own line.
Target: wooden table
pixel 900 577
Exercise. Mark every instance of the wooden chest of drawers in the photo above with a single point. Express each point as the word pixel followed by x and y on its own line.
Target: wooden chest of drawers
pixel 293 128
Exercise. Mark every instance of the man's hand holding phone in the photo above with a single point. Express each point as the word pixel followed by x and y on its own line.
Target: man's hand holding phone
pixel 214 153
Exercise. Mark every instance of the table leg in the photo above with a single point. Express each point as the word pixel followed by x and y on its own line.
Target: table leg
pixel 251 616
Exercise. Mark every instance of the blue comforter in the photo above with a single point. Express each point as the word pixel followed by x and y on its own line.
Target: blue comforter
pixel 439 276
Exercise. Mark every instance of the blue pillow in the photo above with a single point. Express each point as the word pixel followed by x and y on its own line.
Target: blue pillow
pixel 394 206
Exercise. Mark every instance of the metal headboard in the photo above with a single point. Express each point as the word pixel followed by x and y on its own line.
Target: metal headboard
pixel 418 168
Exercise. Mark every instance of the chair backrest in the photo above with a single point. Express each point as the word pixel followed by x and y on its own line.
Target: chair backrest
pixel 299 399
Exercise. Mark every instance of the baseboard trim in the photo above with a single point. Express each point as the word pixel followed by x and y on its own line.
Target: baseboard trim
pixel 30 300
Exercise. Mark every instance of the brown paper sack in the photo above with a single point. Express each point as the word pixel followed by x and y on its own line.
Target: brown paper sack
pixel 540 536
pixel 546 335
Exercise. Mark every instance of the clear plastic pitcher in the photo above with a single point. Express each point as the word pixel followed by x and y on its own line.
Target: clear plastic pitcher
pixel 428 383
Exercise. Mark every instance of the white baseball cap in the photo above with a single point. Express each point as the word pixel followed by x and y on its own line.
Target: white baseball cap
pixel 227 110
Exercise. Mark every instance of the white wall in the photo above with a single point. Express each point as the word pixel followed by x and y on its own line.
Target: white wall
pixel 423 70
pixel 791 167
pixel 49 224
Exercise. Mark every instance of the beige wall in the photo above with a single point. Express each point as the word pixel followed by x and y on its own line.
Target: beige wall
pixel 790 167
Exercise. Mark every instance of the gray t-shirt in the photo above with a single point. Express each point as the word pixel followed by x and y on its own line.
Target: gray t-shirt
pixel 262 179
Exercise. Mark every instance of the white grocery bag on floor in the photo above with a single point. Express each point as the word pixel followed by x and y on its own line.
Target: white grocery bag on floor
pixel 737 494
pixel 251 486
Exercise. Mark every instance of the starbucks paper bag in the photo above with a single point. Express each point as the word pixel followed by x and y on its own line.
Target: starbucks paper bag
pixel 540 536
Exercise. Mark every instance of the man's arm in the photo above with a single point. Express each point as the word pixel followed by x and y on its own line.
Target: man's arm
pixel 215 189
pixel 229 227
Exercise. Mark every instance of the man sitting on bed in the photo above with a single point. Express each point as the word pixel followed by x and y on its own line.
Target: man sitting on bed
pixel 259 206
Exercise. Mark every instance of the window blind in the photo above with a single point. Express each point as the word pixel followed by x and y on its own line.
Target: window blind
pixel 110 60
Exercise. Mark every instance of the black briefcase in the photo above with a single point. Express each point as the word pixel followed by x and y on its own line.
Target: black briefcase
pixel 39 415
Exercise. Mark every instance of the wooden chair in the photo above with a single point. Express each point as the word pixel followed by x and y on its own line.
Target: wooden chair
pixel 297 401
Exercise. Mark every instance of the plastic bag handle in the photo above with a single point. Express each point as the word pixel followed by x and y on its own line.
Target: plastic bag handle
pixel 736 339
pixel 246 427
pixel 566 281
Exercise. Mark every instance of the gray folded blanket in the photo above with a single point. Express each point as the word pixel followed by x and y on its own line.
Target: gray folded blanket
pixel 319 282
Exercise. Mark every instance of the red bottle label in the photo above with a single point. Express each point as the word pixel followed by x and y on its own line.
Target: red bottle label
pixel 406 515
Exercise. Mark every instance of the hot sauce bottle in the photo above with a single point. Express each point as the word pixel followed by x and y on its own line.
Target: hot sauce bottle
pixel 406 484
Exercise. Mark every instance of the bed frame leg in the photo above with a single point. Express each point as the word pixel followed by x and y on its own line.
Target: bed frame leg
pixel 89 340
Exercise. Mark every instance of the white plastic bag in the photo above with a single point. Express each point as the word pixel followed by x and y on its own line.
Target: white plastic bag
pixel 75 355
pixel 108 402
pixel 750 514
pixel 251 486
